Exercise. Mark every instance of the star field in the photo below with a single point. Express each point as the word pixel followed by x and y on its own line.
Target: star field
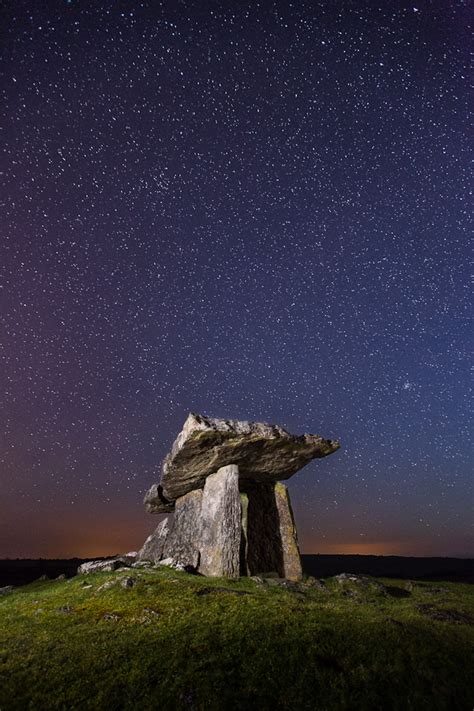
pixel 250 210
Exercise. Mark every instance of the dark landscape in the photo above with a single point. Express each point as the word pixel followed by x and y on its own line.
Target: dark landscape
pixel 158 638
pixel 23 571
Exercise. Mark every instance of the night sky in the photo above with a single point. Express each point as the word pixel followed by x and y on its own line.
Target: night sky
pixel 251 210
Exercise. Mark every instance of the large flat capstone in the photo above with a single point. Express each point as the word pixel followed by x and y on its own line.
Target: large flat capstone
pixel 262 452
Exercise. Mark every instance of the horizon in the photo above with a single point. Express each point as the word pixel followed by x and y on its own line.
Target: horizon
pixel 335 555
pixel 114 543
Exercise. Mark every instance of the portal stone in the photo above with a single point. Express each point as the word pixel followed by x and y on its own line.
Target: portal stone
pixel 289 540
pixel 153 547
pixel 264 549
pixel 182 542
pixel 272 545
pixel 220 524
pixel 244 510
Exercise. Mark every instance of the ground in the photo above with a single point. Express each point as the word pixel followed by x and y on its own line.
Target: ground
pixel 162 639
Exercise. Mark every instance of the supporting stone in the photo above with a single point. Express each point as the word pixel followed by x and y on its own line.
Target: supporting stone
pixel 182 543
pixel 292 569
pixel 152 549
pixel 220 524
pixel 264 551
pixel 244 508
pixel 271 533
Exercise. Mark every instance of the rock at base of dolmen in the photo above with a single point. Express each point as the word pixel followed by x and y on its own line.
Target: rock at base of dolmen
pixel 182 542
pixel 292 569
pixel 152 549
pixel 99 566
pixel 221 524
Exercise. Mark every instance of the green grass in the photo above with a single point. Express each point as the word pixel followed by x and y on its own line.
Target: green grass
pixel 353 646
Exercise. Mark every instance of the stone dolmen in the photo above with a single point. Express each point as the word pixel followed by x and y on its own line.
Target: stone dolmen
pixel 232 515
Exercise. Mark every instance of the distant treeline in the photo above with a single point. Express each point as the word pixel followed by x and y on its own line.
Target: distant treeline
pixel 454 569
pixel 23 571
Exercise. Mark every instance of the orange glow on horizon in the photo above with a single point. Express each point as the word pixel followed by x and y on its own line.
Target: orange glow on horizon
pixel 358 548
pixel 82 533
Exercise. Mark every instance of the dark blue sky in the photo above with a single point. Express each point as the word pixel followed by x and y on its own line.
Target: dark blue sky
pixel 252 210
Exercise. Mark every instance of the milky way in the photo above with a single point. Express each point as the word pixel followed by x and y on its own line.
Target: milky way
pixel 252 210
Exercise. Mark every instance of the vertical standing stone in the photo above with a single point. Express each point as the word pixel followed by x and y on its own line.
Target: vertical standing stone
pixel 271 533
pixel 288 536
pixel 221 524
pixel 152 549
pixel 244 508
pixel 264 552
pixel 182 543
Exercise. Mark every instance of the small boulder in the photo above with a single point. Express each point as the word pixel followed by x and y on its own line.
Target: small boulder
pixel 152 549
pixel 99 566
pixel 105 586
pixel 283 583
pixel 151 611
pixel 436 591
pixel 444 615
pixel 111 617
pixel 65 609
pixel 314 584
pixel 347 578
pixel 6 589
pixel 128 582
pixel 166 561
pixel 229 591
pixel 128 559
pixel 176 565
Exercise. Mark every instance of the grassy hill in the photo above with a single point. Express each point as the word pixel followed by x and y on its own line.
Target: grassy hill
pixel 161 639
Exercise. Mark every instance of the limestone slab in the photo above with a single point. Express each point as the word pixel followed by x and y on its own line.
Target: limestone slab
pixel 262 452
pixel 152 549
pixel 221 524
pixel 264 550
pixel 182 543
pixel 291 560
pixel 272 544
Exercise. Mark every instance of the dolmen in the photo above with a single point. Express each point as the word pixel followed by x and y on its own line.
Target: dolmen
pixel 232 515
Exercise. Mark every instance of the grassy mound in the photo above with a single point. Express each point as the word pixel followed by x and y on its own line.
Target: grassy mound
pixel 169 640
